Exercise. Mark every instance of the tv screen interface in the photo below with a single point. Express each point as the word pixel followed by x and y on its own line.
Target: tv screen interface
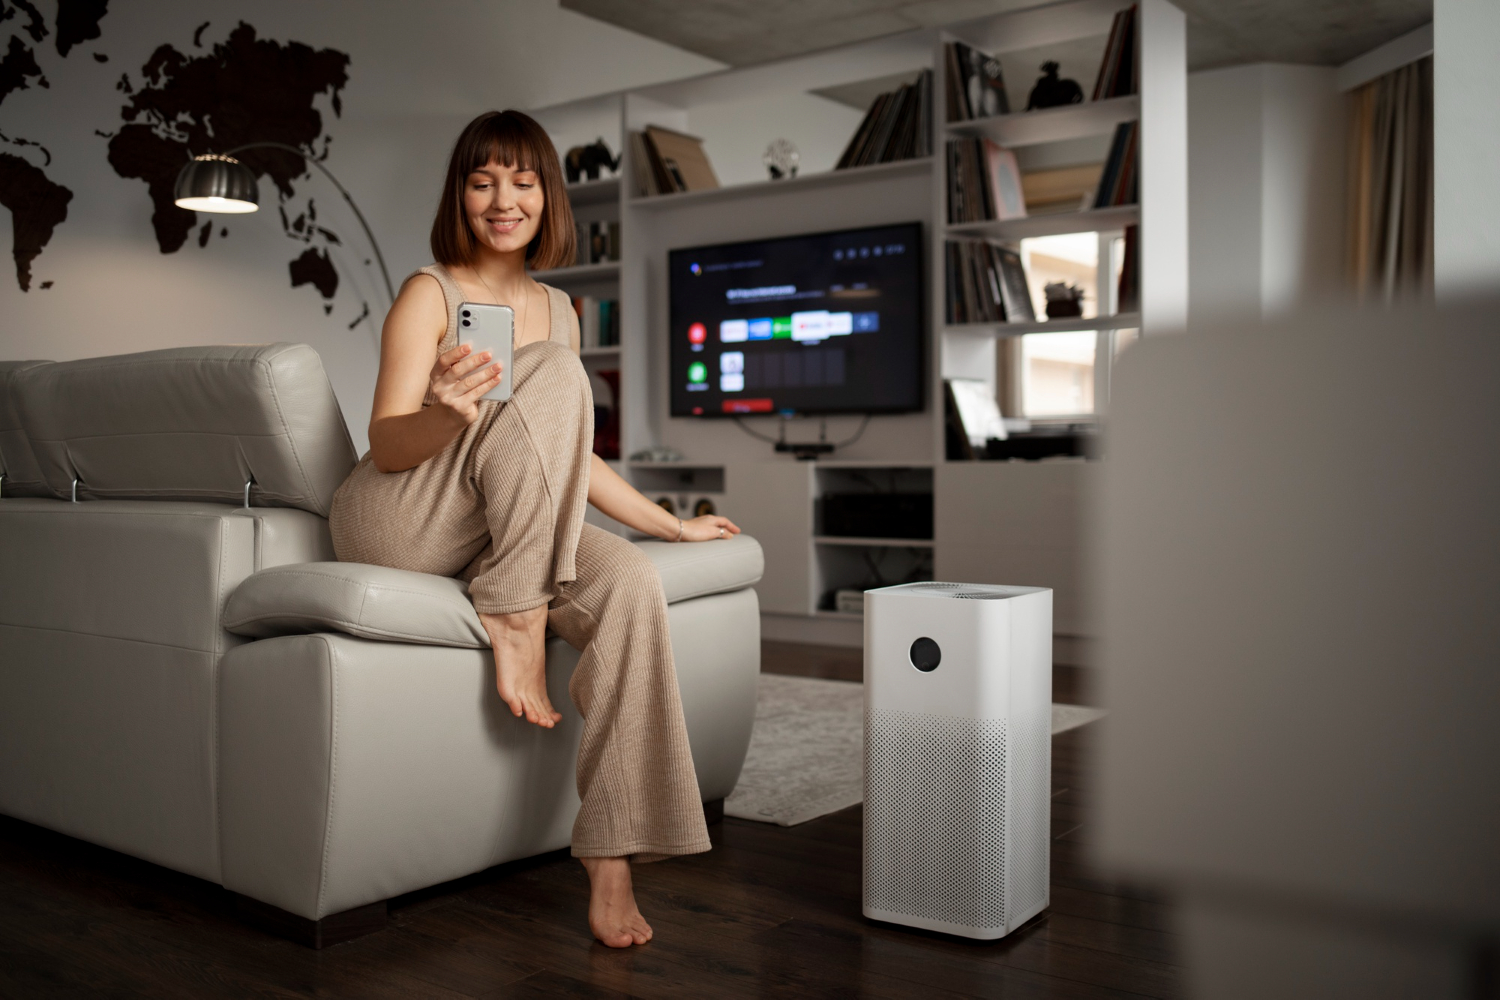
pixel 826 323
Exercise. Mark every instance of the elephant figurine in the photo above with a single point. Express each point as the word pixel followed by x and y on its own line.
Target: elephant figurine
pixel 584 161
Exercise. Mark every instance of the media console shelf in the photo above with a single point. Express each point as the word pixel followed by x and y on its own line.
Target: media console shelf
pixel 996 522
pixel 874 543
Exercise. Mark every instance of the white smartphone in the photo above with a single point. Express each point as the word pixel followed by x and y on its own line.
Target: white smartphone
pixel 490 328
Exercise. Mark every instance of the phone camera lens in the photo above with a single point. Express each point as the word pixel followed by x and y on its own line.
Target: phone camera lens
pixel 466 313
pixel 466 322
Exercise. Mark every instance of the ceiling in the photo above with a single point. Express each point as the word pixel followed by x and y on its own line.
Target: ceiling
pixel 1220 32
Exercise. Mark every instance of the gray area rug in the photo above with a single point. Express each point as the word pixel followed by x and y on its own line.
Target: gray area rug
pixel 807 749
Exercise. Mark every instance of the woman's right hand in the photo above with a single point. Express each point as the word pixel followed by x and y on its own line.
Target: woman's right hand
pixel 459 378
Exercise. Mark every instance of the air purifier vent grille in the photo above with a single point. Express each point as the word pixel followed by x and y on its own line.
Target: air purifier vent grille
pixel 1030 819
pixel 935 818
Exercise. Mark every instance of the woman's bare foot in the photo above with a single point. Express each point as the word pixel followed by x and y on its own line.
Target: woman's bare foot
pixel 520 644
pixel 613 916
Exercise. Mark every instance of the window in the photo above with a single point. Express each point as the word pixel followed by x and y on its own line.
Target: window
pixel 1065 375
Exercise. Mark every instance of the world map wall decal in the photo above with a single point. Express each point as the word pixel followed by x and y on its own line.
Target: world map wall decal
pixel 243 89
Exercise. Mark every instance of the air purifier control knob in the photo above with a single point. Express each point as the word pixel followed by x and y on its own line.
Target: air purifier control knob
pixel 926 655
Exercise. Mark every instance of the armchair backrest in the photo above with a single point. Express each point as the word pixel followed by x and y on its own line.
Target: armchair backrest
pixel 187 423
pixel 17 463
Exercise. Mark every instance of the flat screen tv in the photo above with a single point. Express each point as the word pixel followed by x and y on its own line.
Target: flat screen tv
pixel 823 323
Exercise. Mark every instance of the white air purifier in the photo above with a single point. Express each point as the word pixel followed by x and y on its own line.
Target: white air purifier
pixel 958 756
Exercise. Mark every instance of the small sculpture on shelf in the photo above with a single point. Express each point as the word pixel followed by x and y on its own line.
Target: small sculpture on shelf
pixel 1050 92
pixel 1064 301
pixel 585 161
pixel 781 159
pixel 657 453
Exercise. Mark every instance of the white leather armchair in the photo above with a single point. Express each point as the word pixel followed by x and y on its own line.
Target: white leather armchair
pixel 192 679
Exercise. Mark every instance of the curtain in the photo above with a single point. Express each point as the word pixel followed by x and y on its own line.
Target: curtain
pixel 1390 185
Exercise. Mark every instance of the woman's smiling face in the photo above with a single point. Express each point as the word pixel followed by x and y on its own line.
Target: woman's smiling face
pixel 504 206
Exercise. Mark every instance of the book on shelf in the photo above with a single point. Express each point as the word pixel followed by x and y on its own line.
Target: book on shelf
pixel 668 162
pixel 975 87
pixel 1129 297
pixel 596 242
pixel 1119 72
pixel 984 182
pixel 1061 189
pixel 1119 184
pixel 985 283
pixel 598 321
pixel 897 126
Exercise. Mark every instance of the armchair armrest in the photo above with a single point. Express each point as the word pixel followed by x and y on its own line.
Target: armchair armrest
pixel 369 602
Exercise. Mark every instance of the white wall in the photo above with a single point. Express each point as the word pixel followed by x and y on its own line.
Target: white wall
pixel 1466 82
pixel 1265 189
pixel 416 75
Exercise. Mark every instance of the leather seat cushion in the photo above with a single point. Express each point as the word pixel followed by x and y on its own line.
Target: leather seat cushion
pixel 377 602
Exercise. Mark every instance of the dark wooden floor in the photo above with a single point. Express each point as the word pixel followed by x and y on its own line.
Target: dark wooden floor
pixel 769 912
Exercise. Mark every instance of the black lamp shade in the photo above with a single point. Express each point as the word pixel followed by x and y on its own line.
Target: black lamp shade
pixel 214 183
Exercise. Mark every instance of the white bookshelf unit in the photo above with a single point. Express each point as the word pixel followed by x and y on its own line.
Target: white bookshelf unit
pixel 995 522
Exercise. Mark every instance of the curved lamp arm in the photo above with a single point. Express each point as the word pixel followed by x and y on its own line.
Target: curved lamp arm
pixel 347 197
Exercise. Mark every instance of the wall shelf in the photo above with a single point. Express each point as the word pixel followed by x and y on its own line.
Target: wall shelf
pixel 1119 321
pixel 1009 230
pixel 1073 121
pixel 888 543
pixel 600 352
pixel 688 466
pixel 805 182
pixel 606 190
pixel 608 270
pixel 853 463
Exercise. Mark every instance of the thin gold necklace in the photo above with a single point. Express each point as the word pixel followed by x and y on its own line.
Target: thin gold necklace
pixel 525 297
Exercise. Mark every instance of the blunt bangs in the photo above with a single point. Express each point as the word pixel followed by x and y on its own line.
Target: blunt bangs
pixel 511 139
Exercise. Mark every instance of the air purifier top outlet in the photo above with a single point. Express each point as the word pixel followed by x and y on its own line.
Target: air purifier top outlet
pixel 963 591
pixel 948 649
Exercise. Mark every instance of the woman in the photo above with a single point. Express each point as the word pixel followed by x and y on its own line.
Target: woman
pixel 494 493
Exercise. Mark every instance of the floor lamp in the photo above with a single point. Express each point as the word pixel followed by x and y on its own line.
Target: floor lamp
pixel 217 182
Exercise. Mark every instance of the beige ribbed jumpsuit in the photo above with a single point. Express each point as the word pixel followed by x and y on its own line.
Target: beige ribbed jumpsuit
pixel 502 508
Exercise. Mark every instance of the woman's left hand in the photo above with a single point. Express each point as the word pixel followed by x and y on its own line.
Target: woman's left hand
pixel 708 528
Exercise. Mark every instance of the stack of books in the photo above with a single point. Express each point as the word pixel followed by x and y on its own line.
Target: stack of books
pixel 985 283
pixel 1121 180
pixel 1120 72
pixel 897 127
pixel 668 162
pixel 597 242
pixel 984 182
pixel 975 87
pixel 598 321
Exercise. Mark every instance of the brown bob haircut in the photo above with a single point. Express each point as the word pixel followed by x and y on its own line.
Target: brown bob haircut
pixel 515 140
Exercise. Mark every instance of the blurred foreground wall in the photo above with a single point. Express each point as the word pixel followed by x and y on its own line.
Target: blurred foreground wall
pixel 1300 581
